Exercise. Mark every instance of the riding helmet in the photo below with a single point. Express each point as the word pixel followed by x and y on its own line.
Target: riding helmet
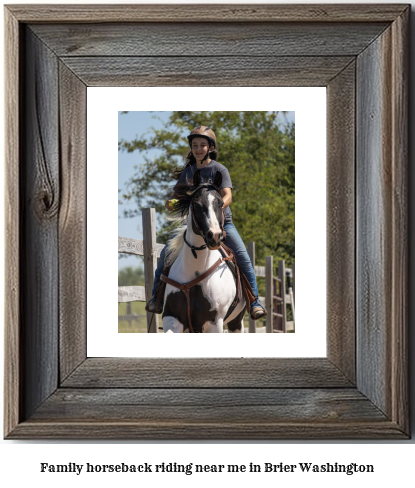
pixel 202 131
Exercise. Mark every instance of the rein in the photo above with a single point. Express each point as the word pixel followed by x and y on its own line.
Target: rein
pixel 194 248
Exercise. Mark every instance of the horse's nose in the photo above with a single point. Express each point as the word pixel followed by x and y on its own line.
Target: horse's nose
pixel 213 239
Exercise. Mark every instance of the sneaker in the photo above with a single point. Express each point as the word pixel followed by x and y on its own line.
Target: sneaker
pixel 151 305
pixel 257 311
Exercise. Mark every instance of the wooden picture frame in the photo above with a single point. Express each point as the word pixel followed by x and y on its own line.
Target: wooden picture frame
pixel 360 53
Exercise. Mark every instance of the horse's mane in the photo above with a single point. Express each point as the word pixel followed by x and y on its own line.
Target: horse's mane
pixel 184 195
pixel 178 217
pixel 175 244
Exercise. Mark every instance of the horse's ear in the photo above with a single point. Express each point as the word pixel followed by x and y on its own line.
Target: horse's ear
pixel 218 179
pixel 196 178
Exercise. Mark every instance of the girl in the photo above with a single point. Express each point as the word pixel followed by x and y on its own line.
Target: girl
pixel 202 141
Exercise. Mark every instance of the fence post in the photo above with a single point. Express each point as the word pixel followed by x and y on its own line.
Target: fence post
pixel 269 293
pixel 281 276
pixel 293 277
pixel 150 259
pixel 251 254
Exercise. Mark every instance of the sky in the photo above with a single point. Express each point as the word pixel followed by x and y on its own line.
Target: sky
pixel 130 125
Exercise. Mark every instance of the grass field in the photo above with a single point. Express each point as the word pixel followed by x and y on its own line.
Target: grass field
pixel 139 324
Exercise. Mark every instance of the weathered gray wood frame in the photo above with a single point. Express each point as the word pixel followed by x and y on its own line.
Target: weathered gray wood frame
pixel 359 52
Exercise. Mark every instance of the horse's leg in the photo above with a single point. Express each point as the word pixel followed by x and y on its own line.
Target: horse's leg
pixel 237 324
pixel 172 325
pixel 240 330
pixel 173 315
pixel 210 327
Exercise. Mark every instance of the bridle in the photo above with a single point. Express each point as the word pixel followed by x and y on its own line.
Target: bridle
pixel 196 228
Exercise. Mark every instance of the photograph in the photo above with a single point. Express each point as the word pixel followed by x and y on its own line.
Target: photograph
pixel 205 182
pixel 56 386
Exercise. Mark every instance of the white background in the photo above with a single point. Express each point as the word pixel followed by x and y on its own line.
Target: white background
pixel 309 105
pixel 393 461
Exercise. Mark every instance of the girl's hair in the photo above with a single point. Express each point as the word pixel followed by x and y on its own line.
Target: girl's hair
pixel 189 160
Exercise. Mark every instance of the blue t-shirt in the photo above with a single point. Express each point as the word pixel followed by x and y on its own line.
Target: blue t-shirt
pixel 207 175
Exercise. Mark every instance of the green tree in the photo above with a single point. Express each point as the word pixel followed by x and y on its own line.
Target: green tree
pixel 130 276
pixel 259 153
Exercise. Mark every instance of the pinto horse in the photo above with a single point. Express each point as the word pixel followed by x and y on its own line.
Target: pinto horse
pixel 195 251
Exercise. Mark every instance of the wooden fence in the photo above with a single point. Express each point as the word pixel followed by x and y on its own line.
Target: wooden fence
pixel 276 299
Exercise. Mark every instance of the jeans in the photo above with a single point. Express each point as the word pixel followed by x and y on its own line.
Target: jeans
pixel 233 240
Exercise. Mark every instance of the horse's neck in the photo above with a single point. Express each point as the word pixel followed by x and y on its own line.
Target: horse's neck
pixel 192 238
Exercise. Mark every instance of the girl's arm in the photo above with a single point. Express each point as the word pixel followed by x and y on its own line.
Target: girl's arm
pixel 226 194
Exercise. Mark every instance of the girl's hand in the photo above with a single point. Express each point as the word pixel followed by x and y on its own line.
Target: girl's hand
pixel 170 204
